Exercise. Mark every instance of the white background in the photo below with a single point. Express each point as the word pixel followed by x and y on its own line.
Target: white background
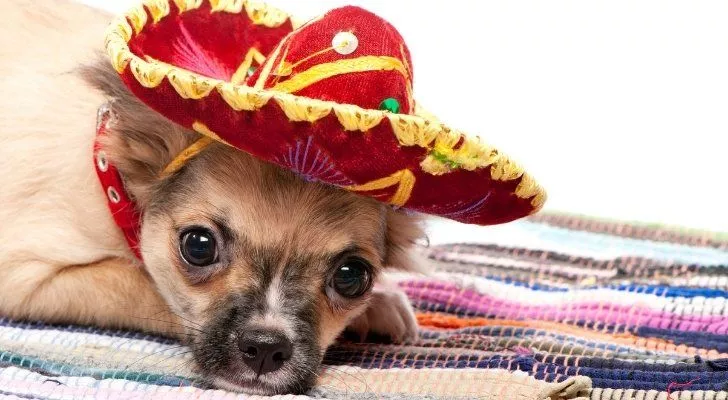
pixel 618 107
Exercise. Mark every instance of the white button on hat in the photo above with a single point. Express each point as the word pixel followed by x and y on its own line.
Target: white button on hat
pixel 345 43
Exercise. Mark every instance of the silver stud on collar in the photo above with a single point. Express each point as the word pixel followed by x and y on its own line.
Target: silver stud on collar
pixel 105 109
pixel 345 43
pixel 113 195
pixel 101 162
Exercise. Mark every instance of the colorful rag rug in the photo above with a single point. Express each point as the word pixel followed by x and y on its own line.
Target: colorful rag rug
pixel 552 307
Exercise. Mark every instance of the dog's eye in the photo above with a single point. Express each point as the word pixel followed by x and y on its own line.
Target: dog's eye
pixel 198 247
pixel 352 278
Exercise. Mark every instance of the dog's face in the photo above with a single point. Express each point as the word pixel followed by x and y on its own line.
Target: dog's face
pixel 263 269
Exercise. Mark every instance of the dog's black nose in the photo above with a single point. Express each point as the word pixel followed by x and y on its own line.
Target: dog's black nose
pixel 265 350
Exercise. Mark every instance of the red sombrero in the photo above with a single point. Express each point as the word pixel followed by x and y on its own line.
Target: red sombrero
pixel 330 100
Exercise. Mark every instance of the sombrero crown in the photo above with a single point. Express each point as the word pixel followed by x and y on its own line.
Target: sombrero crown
pixel 330 100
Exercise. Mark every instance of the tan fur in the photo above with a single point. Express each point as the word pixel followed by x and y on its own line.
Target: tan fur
pixel 62 258
pixel 59 248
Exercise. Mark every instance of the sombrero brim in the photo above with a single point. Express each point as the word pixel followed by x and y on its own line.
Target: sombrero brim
pixel 412 161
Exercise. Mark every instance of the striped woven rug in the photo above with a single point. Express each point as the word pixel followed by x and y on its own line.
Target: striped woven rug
pixel 554 307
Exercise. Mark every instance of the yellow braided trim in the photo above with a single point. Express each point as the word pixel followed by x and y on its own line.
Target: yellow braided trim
pixel 324 71
pixel 411 130
pixel 186 5
pixel 118 57
pixel 241 98
pixel 229 6
pixel 149 74
pixel 157 8
pixel 186 154
pixel 355 118
pixel 420 130
pixel 137 16
pixel 258 12
pixel 117 35
pixel 190 85
pixel 261 14
pixel 299 109
pixel 528 188
pixel 404 179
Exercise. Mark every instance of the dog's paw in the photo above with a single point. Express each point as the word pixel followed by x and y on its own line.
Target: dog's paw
pixel 389 314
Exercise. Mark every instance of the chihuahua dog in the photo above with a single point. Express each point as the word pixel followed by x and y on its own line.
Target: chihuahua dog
pixel 256 269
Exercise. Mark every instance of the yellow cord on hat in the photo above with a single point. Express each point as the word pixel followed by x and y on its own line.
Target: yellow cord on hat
pixel 324 71
pixel 185 156
pixel 241 74
pixel 208 137
pixel 404 179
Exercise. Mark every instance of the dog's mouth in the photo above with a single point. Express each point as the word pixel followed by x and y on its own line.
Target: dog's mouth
pixel 238 378
pixel 254 386
pixel 250 387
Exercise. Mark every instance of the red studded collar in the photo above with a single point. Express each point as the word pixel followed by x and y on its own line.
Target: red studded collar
pixel 125 212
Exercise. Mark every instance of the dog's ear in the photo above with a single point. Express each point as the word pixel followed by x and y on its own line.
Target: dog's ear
pixel 140 142
pixel 404 230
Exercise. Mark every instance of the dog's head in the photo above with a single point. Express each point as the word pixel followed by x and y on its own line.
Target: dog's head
pixel 264 269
